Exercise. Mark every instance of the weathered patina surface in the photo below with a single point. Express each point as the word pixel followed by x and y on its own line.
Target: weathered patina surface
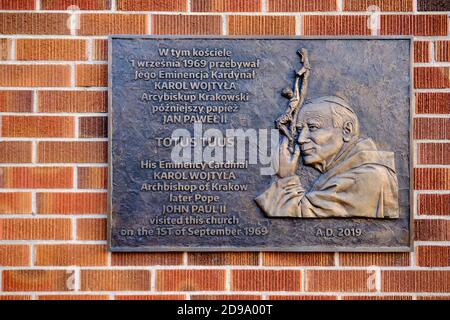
pixel 237 85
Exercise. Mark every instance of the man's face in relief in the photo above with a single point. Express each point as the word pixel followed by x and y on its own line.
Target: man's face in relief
pixel 319 140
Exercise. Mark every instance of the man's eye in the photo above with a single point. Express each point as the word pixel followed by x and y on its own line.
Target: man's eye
pixel 313 127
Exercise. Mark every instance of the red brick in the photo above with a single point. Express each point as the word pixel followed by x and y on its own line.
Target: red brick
pixel 36 177
pixel 223 258
pixel 92 177
pixel 38 126
pixel 91 229
pixel 15 297
pixel 338 280
pixel 17 5
pixel 34 23
pixel 51 49
pixel 35 229
pixel 370 259
pixel 73 297
pixel 106 24
pixel 261 25
pixel 6 49
pixel 186 24
pixel 92 75
pixel 151 297
pixel 301 5
pixel 422 51
pixel 71 255
pixel 432 179
pixel 442 50
pixel 93 127
pixel 433 153
pixel 432 128
pixel 431 77
pixel 225 297
pixel 72 152
pixel 36 280
pixel 432 230
pixel 190 280
pixel 382 5
pixel 226 5
pixel 75 4
pixel 100 50
pixel 115 280
pixel 415 281
pixel 72 101
pixel 298 259
pixel 301 297
pixel 71 203
pixel 152 5
pixel 433 102
pixel 377 297
pixel 266 280
pixel 335 25
pixel 146 259
pixel 433 256
pixel 434 204
pixel 418 25
pixel 15 152
pixel 15 202
pixel 16 101
pixel 35 75
pixel 14 255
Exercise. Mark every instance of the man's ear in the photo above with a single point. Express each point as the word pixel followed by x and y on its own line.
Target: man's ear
pixel 347 130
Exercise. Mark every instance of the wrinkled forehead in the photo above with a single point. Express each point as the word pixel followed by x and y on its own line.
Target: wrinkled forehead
pixel 315 111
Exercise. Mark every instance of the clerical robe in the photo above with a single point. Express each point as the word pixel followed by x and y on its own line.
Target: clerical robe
pixel 360 183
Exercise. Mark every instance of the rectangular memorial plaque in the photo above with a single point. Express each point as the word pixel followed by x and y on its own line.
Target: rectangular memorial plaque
pixel 288 144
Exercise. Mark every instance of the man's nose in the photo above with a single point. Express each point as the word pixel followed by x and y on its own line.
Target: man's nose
pixel 303 135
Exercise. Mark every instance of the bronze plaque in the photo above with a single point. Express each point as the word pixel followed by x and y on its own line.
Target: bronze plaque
pixel 287 144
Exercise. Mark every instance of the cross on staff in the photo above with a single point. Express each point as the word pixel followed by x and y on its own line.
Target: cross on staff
pixel 286 123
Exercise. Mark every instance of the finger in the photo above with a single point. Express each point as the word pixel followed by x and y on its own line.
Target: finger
pixel 283 143
pixel 295 190
pixel 296 153
pixel 284 148
pixel 290 184
pixel 297 193
pixel 289 197
pixel 297 149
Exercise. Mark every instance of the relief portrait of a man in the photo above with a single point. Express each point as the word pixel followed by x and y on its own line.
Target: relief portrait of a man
pixel 356 180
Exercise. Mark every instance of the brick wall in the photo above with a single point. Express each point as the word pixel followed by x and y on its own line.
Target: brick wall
pixel 53 155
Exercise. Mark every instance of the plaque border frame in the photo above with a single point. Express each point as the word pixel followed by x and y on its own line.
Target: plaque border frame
pixel 314 248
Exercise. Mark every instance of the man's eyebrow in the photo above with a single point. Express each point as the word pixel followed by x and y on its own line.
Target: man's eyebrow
pixel 312 120
pixel 315 118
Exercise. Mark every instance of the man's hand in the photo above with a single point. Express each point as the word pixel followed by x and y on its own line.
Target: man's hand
pixel 288 162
